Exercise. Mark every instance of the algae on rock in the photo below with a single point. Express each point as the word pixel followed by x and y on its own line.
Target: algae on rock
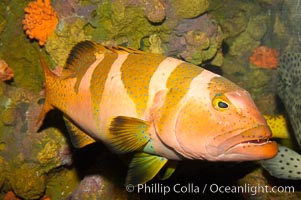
pixel 17 51
pixel 26 156
pixel 124 23
pixel 26 181
pixel 61 42
pixel 190 8
pixel 246 28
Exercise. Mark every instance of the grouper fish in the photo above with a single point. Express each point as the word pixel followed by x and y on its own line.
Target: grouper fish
pixel 159 108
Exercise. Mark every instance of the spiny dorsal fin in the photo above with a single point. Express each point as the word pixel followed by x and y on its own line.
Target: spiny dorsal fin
pixel 84 53
pixel 82 56
pixel 119 49
pixel 128 134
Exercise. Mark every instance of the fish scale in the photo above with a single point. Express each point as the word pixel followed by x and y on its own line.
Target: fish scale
pixel 177 84
pixel 77 64
pixel 137 72
pixel 100 75
pixel 160 108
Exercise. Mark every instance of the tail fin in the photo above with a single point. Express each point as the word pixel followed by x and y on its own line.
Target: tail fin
pixel 47 105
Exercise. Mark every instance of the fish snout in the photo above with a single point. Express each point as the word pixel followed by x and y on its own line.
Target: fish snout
pixel 243 145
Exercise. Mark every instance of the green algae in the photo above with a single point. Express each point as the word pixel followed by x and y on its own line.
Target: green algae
pixel 115 22
pixel 246 28
pixel 24 178
pixel 8 116
pixel 200 47
pixel 61 183
pixel 21 56
pixel 155 44
pixel 61 42
pixel 243 44
pixel 258 23
pixel 2 174
pixel 124 24
pixel 190 8
pixel 26 156
pixel 2 16
pixel 250 38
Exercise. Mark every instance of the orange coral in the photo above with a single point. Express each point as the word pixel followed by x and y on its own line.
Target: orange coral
pixel 10 196
pixel 40 20
pixel 264 57
pixel 45 198
pixel 6 73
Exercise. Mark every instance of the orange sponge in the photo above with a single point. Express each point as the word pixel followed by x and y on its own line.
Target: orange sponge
pixel 40 20
pixel 264 57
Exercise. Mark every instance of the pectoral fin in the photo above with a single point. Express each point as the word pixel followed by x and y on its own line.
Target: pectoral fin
pixel 78 138
pixel 144 167
pixel 128 134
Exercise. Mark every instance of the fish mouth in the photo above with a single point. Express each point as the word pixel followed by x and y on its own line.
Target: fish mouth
pixel 248 144
pixel 253 150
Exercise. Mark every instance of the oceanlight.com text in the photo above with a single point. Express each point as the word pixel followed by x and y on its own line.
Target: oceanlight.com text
pixel 191 188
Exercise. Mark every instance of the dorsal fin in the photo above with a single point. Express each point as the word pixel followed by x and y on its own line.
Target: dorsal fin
pixel 81 57
pixel 119 49
pixel 84 53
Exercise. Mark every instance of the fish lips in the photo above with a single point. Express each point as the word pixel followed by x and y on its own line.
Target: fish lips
pixel 243 145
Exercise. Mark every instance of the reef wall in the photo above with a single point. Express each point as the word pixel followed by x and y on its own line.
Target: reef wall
pixel 214 34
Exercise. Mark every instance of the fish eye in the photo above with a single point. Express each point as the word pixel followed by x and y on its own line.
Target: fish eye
pixel 220 103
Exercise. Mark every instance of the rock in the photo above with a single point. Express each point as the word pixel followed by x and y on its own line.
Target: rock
pixel 190 8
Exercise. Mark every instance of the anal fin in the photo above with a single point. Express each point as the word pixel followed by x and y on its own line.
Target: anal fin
pixel 144 167
pixel 78 138
pixel 168 170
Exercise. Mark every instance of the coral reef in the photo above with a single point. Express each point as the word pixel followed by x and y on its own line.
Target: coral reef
pixel 2 176
pixel 133 23
pixel 155 44
pixel 44 165
pixel 260 188
pixel 17 51
pixel 129 22
pixel 2 16
pixel 154 10
pixel 264 57
pixel 27 156
pixel 89 188
pixel 33 164
pixel 60 43
pixel 287 25
pixel 190 8
pixel 6 73
pixel 196 40
pixel 10 196
pixel 40 20
pixel 247 27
